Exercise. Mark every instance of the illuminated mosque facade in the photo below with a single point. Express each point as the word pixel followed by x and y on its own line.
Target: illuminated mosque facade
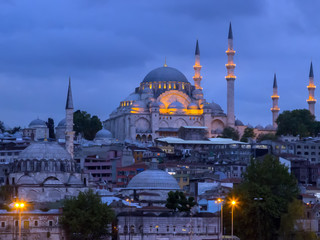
pixel 166 100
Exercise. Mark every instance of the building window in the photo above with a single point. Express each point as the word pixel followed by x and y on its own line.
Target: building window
pixel 306 153
pixel 36 223
pixel 50 223
pixel 168 228
pixel 16 223
pixel 3 224
pixel 26 224
pixel 125 229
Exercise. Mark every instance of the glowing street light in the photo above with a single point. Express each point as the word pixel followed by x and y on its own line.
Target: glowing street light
pixel 19 206
pixel 233 203
pixel 220 201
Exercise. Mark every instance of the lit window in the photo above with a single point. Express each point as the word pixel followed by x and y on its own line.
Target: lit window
pixel 159 85
pixel 165 86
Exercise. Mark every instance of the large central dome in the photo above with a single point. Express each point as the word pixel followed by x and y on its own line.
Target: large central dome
pixel 165 74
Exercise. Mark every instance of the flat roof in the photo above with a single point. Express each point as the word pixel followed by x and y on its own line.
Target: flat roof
pixel 210 141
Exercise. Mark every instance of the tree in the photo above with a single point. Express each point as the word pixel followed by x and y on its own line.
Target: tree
pixel 14 130
pixel 178 201
pixel 50 125
pixel 86 217
pixel 297 122
pixel 230 132
pixel 264 196
pixel 86 125
pixel 267 136
pixel 248 133
pixel 290 227
pixel 1 127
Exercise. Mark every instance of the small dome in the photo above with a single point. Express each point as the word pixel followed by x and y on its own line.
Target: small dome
pixel 38 122
pixel 270 127
pixel 154 104
pixel 103 134
pixel 133 97
pixel 153 179
pixel 62 123
pixel 165 74
pixel 44 151
pixel 249 125
pixel 161 105
pixel 207 105
pixel 176 104
pixel 139 104
pixel 238 123
pixel 216 107
pixel 259 127
pixel 192 106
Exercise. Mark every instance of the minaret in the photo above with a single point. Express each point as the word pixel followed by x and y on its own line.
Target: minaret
pixel 197 67
pixel 275 97
pixel 230 80
pixel 69 121
pixel 311 87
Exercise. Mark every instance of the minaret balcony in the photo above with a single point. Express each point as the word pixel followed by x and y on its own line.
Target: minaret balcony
pixel 311 86
pixel 197 66
pixel 230 52
pixel 197 77
pixel 230 65
pixel 275 109
pixel 275 96
pixel 311 100
pixel 230 77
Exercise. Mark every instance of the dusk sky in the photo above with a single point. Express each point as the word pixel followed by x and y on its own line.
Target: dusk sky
pixel 107 48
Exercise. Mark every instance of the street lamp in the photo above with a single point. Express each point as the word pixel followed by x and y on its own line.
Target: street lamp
pixel 19 206
pixel 219 200
pixel 233 203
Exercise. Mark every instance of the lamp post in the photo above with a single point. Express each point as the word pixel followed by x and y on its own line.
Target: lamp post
pixel 233 203
pixel 19 206
pixel 220 201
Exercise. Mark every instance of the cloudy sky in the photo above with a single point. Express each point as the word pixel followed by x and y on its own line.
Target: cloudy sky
pixel 107 47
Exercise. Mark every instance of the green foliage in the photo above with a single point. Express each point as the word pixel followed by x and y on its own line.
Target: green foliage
pixel 50 125
pixel 248 133
pixel 290 228
pixel 14 130
pixel 267 136
pixel 230 132
pixel 178 201
pixel 86 125
pixel 86 217
pixel 1 127
pixel 6 192
pixel 264 196
pixel 297 122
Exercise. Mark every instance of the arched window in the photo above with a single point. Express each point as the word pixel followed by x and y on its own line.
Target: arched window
pixel 125 229
pixel 132 229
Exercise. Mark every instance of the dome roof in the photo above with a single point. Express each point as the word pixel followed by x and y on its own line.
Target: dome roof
pixel 239 123
pixel 38 122
pixel 139 104
pixel 154 104
pixel 103 134
pixel 62 123
pixel 259 127
pixel 133 97
pixel 192 106
pixel 165 74
pixel 44 151
pixel 270 127
pixel 153 179
pixel 177 105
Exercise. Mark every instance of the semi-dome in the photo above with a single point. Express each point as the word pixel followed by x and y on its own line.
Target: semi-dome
pixel 44 151
pixel 62 123
pixel 103 134
pixel 139 104
pixel 133 97
pixel 165 74
pixel 37 122
pixel 192 106
pixel 176 104
pixel 153 179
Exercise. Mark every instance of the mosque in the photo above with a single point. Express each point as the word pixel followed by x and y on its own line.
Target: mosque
pixel 166 100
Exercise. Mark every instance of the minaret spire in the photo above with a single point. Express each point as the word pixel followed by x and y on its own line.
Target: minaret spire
pixel 197 67
pixel 230 80
pixel 311 88
pixel 69 121
pixel 275 97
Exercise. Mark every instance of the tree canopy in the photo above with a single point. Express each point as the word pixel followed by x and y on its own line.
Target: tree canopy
pixel 266 136
pixel 297 122
pixel 264 195
pixel 86 217
pixel 86 125
pixel 248 133
pixel 178 201
pixel 230 132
